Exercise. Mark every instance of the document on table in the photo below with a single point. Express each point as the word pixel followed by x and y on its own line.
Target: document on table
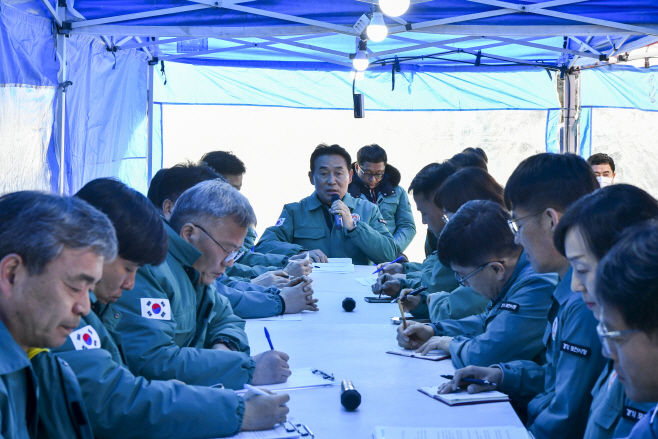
pixel 462 397
pixel 367 281
pixel 451 433
pixel 283 317
pixel 433 355
pixel 278 432
pixel 300 378
pixel 335 265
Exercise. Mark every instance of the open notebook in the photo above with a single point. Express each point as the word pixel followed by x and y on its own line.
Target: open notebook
pixel 300 379
pixel 463 397
pixel 433 355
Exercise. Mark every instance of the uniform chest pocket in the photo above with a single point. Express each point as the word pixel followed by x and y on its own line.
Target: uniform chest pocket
pixel 607 414
pixel 310 233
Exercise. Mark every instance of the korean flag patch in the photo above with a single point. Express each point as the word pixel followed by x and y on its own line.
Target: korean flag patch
pixel 85 338
pixel 280 222
pixel 157 309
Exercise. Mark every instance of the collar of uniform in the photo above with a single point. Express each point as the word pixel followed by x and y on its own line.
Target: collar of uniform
pixel 521 264
pixel 12 357
pixel 181 250
pixel 563 289
pixel 315 203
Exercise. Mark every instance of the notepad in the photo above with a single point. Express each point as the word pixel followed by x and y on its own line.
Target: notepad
pixel 300 379
pixel 297 317
pixel 433 355
pixel 367 281
pixel 462 397
pixel 507 432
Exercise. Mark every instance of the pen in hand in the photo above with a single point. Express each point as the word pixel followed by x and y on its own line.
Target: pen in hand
pixel 411 293
pixel 269 340
pixel 388 263
pixel 471 380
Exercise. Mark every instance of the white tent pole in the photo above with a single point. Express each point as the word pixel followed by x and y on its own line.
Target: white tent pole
pixel 149 123
pixel 61 101
pixel 570 112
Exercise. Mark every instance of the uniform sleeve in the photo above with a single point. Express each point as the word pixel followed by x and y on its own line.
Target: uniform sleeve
pixel 252 304
pixel 575 376
pixel 494 344
pixel 405 227
pixel 279 239
pixel 523 379
pixel 252 259
pixel 240 285
pixel 223 323
pixel 247 272
pixel 150 348
pixel 373 238
pixel 249 240
pixel 122 405
pixel 412 267
pixel 461 302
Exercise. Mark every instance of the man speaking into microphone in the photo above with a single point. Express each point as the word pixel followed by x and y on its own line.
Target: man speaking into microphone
pixel 329 222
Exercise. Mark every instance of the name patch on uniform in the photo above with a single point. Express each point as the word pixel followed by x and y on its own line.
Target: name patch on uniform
pixel 85 338
pixel 280 222
pixel 157 309
pixel 382 220
pixel 575 349
pixel 633 414
pixel 510 306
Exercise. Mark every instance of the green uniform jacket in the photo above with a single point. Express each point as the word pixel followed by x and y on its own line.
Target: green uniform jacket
pixel 167 324
pixel 302 226
pixel 447 301
pixel 612 414
pixel 393 203
pixel 646 428
pixel 249 240
pixel 512 326
pixel 559 392
pixel 117 401
pixel 251 301
pixel 62 411
pixel 252 264
pixel 18 390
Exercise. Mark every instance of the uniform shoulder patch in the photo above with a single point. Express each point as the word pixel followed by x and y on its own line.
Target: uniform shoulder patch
pixel 382 220
pixel 280 222
pixel 85 338
pixel 575 349
pixel 510 306
pixel 157 309
pixel 633 414
pixel 356 218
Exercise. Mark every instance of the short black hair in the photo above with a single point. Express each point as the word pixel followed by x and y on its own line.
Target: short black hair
pixel 431 177
pixel 371 154
pixel 470 157
pixel 549 180
pixel 601 159
pixel 140 230
pixel 602 216
pixel 224 163
pixel 627 277
pixel 324 149
pixel 465 185
pixel 152 193
pixel 180 178
pixel 477 234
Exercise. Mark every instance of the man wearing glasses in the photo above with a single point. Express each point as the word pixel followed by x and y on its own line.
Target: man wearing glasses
pixel 558 393
pixel 378 182
pixel 479 247
pixel 174 324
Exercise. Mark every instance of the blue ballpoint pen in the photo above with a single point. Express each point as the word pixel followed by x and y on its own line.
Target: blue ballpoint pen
pixel 382 267
pixel 269 340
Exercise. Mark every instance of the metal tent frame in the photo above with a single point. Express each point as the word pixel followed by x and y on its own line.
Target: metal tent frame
pixel 594 40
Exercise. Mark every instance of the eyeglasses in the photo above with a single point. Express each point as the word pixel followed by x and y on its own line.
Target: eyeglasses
pixel 230 255
pixel 445 219
pixel 370 175
pixel 462 280
pixel 605 336
pixel 512 223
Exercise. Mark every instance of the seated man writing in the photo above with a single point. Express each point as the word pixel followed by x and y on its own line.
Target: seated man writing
pixel 174 325
pixel 311 224
pixel 478 245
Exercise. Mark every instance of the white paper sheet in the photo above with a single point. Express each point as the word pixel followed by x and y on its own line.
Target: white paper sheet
pixel 451 433
pixel 433 355
pixel 300 378
pixel 335 265
pixel 283 317
pixel 367 281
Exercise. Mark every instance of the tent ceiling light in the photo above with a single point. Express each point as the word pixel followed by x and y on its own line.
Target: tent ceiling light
pixel 356 75
pixel 377 30
pixel 394 8
pixel 360 61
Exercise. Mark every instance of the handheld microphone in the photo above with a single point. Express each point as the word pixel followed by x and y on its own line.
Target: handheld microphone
pixel 338 220
pixel 349 304
pixel 349 397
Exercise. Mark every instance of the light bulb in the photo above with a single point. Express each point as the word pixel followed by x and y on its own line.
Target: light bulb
pixel 394 8
pixel 377 30
pixel 356 75
pixel 360 61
